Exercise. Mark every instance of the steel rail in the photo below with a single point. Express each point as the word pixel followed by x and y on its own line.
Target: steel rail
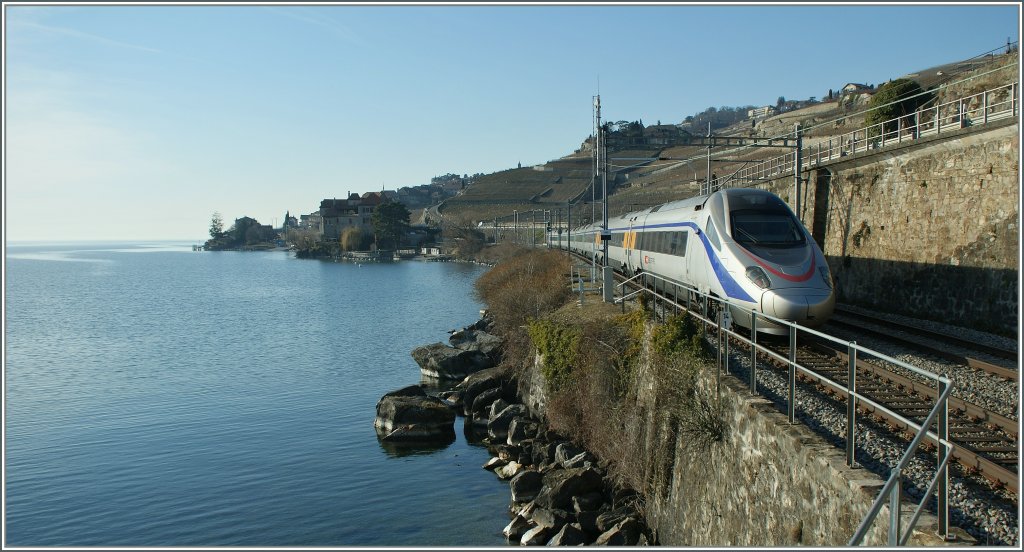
pixel 931 334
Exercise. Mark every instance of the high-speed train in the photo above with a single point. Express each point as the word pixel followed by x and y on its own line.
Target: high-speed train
pixel 739 245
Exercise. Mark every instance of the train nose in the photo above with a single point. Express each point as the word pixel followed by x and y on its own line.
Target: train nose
pixel 807 307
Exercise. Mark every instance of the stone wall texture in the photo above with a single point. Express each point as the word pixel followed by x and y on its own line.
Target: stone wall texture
pixel 768 483
pixel 929 229
pixel 765 483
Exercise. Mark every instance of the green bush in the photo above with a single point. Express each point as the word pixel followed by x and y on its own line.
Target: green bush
pixel 559 346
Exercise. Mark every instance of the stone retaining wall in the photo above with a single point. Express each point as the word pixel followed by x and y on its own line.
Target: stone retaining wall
pixel 930 230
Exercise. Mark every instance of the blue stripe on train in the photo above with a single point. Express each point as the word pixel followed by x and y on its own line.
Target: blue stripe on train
pixel 729 284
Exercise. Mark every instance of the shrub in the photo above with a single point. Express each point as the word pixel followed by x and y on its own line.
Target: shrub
pixel 559 346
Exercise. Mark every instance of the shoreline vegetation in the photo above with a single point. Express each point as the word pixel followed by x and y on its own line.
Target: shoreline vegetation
pixel 550 431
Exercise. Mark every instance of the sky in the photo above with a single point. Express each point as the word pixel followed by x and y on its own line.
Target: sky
pixel 137 122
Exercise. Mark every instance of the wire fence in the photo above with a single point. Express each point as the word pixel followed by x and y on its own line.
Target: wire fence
pixel 992 105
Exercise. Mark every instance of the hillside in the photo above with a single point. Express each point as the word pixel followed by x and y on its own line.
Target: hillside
pixel 638 178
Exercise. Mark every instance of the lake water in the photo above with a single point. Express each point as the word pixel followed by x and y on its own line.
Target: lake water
pixel 157 396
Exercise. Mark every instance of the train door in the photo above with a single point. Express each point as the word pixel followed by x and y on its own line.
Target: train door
pixel 628 243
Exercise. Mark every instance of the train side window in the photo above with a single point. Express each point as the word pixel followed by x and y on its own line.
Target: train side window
pixel 713 235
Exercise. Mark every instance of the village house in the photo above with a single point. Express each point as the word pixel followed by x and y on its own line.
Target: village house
pixel 761 112
pixel 338 214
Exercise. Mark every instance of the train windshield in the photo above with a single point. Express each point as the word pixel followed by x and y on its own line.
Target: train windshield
pixel 765 228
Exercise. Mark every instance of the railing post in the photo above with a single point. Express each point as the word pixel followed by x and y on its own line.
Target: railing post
pixel 753 352
pixel 938 121
pixel 727 352
pixel 718 373
pixel 851 405
pixel 984 107
pixel 894 509
pixel 1013 98
pixel 943 490
pixel 792 374
pixel 960 112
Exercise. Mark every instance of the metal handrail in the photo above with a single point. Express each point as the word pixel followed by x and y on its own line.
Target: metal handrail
pixel 892 489
pixel 926 122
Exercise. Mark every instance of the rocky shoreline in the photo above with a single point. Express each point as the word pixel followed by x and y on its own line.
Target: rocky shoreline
pixel 560 494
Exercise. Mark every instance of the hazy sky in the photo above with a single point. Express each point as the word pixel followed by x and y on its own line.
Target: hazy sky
pixel 138 122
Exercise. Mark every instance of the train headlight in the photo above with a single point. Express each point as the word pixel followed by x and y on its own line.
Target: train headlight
pixel 825 275
pixel 760 278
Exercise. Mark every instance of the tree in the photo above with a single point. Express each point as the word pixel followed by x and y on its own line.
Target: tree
pixel 390 222
pixel 779 103
pixel 893 100
pixel 239 231
pixel 216 225
pixel 351 239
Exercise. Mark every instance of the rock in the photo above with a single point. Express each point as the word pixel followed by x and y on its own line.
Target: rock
pixel 406 415
pixel 510 470
pixel 569 535
pixel 476 340
pixel 543 453
pixel 453 398
pixel 537 536
pixel 497 426
pixel 581 460
pixel 553 519
pixel 520 430
pixel 525 486
pixel 441 361
pixel 588 522
pixel 565 451
pixel 590 502
pixel 516 528
pixel 481 381
pixel 408 391
pixel 561 485
pixel 625 533
pixel 494 463
pixel 496 407
pixel 607 520
pixel 483 401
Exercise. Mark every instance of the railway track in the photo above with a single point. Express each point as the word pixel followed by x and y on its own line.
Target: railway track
pixel 985 442
pixel 859 322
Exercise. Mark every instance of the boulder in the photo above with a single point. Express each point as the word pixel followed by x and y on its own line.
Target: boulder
pixel 441 361
pixel 581 460
pixel 588 522
pixel 537 536
pixel 494 463
pixel 521 430
pixel 480 411
pixel 497 426
pixel 510 470
pixel 625 533
pixel 525 486
pixel 481 381
pixel 569 535
pixel 408 414
pixel 476 340
pixel 516 528
pixel 553 519
pixel 590 502
pixel 607 520
pixel 565 451
pixel 561 485
pixel 453 398
pixel 496 407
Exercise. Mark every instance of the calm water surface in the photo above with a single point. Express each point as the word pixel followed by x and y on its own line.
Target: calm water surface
pixel 157 396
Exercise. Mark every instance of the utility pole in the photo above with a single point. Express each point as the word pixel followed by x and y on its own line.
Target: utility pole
pixel 797 162
pixel 707 185
pixel 602 167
